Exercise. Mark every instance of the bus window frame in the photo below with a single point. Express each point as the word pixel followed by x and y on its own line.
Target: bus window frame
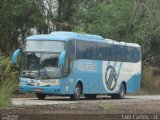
pixel 70 65
pixel 24 48
pixel 110 53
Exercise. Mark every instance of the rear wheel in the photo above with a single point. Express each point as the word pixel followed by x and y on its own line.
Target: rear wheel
pixel 121 94
pixel 77 92
pixel 40 96
pixel 90 96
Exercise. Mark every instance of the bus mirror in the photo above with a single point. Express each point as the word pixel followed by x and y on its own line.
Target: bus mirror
pixel 15 55
pixel 62 58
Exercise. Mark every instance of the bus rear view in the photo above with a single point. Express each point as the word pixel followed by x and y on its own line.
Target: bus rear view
pixel 72 64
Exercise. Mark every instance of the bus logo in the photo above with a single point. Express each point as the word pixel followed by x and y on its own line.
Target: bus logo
pixel 110 78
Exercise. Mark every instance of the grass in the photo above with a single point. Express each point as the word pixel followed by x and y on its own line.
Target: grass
pixel 151 80
pixel 108 106
pixel 6 93
pixel 8 81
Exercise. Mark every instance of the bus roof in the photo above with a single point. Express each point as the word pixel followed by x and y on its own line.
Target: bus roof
pixel 122 43
pixel 65 36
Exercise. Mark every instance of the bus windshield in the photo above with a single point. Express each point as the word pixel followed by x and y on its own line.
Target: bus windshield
pixel 40 65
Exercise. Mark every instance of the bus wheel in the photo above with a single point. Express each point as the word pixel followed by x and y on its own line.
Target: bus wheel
pixel 90 96
pixel 121 94
pixel 40 96
pixel 77 92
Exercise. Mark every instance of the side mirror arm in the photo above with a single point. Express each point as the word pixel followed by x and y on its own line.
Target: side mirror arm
pixel 62 58
pixel 15 55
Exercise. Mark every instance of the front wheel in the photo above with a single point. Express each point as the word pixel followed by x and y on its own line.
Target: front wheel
pixel 77 92
pixel 121 94
pixel 40 96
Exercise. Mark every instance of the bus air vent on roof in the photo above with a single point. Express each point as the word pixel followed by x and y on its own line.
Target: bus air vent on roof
pixel 90 36
pixel 63 33
pixel 78 35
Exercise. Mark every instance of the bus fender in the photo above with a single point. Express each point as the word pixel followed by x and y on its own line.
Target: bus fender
pixel 78 81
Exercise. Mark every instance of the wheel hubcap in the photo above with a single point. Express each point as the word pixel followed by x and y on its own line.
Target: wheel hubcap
pixel 77 92
pixel 122 91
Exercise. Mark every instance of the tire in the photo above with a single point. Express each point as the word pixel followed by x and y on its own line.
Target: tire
pixel 40 96
pixel 90 96
pixel 121 94
pixel 77 92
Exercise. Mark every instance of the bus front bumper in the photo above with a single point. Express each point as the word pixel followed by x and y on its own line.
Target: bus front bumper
pixel 41 89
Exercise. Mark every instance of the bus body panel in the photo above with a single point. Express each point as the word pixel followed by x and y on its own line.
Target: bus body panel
pixel 92 75
pixel 133 84
pixel 96 76
pixel 130 73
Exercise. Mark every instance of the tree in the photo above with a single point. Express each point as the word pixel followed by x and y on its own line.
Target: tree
pixel 16 20
pixel 107 18
pixel 146 28
pixel 123 20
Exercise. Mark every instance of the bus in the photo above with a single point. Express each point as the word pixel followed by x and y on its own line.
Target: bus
pixel 74 64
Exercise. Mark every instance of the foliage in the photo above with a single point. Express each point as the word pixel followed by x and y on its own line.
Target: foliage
pixel 150 79
pixel 124 20
pixel 146 27
pixel 17 17
pixel 8 80
pixel 109 19
pixel 136 21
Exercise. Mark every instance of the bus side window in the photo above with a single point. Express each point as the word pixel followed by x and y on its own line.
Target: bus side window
pixel 81 50
pixel 126 54
pixel 136 54
pixel 116 53
pixel 107 52
pixel 69 57
pixel 94 51
pixel 110 58
pixel 102 52
pixel 122 53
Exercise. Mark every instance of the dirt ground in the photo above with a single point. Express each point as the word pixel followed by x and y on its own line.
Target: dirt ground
pixel 102 108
